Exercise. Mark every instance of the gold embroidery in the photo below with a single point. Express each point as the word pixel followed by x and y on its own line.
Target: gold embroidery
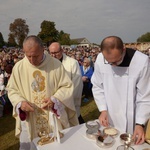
pixel 41 118
pixel 39 81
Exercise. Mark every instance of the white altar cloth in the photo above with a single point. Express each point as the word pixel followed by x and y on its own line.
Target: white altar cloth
pixel 75 139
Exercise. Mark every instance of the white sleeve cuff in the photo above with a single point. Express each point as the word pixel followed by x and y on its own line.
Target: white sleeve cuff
pixel 17 107
pixel 58 106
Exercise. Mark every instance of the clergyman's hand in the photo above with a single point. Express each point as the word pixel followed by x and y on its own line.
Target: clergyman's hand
pixel 138 134
pixel 47 104
pixel 103 118
pixel 26 107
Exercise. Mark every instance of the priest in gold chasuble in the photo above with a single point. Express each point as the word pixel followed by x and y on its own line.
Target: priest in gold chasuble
pixel 39 85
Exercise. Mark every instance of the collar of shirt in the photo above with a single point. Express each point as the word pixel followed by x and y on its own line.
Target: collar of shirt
pixel 61 59
pixel 44 56
pixel 86 69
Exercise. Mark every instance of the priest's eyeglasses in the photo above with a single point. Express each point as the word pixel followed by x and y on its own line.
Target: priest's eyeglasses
pixel 114 63
pixel 55 53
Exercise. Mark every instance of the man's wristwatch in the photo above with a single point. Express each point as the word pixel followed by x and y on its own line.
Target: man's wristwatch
pixel 140 125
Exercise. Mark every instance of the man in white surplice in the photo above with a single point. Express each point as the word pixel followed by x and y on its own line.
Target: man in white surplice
pixel 73 70
pixel 121 87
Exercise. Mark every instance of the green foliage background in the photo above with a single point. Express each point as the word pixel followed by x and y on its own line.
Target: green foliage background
pixel 144 38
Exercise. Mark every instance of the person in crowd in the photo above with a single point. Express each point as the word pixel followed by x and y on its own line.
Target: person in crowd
pixel 3 78
pixel 2 88
pixel 87 72
pixel 93 61
pixel 4 97
pixel 121 89
pixel 73 70
pixel 78 58
pixel 37 87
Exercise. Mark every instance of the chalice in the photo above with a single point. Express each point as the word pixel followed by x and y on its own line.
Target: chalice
pixel 92 129
pixel 126 138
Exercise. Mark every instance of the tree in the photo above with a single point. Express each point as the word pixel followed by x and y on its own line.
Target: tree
pixel 48 32
pixel 144 38
pixel 2 43
pixel 19 30
pixel 11 40
pixel 64 38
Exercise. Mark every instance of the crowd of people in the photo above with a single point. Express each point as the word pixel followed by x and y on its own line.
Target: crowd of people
pixel 9 56
pixel 47 81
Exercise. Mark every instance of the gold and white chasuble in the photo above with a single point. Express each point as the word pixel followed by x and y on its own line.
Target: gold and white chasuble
pixel 34 84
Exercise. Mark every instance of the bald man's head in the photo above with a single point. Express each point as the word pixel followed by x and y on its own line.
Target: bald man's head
pixel 55 50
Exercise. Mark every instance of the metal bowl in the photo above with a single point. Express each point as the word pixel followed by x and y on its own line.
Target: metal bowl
pixel 110 131
pixel 92 135
pixel 126 139
pixel 122 147
pixel 105 141
pixel 92 124
pixel 92 129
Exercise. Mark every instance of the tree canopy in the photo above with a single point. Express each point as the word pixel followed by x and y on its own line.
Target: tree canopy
pixel 144 38
pixel 64 38
pixel 19 30
pixel 11 40
pixel 2 43
pixel 48 32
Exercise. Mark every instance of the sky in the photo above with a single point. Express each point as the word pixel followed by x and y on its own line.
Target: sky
pixel 92 19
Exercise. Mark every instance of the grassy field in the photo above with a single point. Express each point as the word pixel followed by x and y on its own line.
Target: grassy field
pixel 8 141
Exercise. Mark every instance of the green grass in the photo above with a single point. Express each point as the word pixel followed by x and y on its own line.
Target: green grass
pixel 8 141
pixel 89 110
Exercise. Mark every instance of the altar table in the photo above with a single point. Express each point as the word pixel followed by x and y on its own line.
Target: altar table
pixel 75 139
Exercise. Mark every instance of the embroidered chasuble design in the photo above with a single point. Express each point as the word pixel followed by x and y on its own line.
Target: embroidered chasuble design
pixel 41 117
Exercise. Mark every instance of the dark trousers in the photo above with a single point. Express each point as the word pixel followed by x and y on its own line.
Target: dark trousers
pixel 81 120
pixel 86 90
